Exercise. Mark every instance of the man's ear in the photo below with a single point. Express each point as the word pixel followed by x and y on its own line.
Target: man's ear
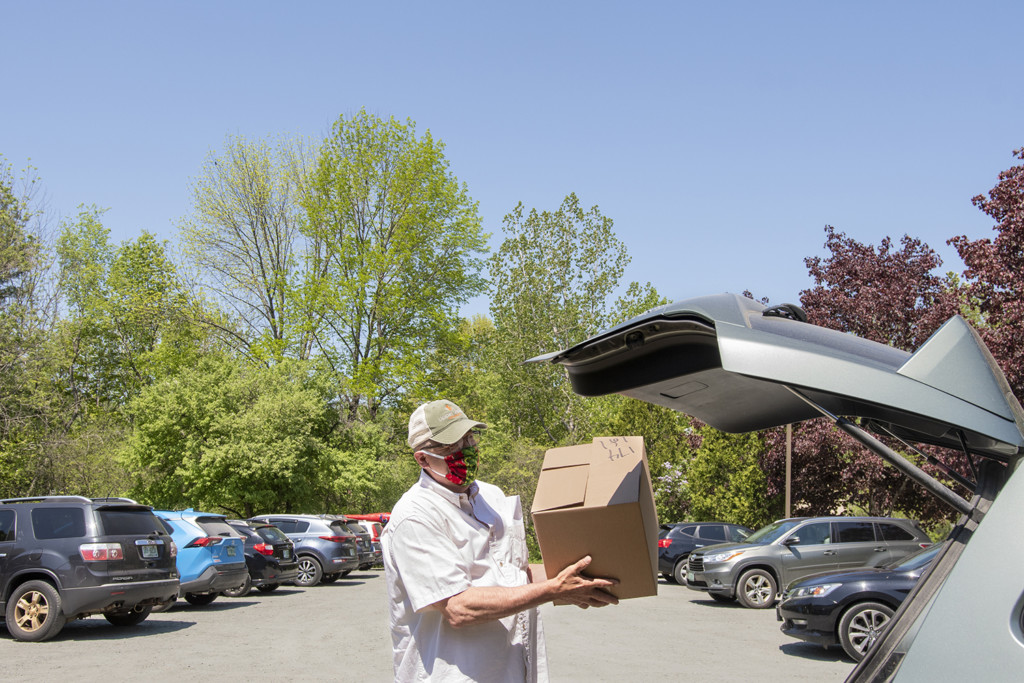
pixel 421 459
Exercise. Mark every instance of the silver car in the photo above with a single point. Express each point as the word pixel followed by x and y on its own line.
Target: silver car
pixel 753 571
pixel 741 366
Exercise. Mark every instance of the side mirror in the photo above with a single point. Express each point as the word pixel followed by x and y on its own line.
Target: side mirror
pixel 792 540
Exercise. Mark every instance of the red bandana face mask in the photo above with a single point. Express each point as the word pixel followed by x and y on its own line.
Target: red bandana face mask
pixel 462 465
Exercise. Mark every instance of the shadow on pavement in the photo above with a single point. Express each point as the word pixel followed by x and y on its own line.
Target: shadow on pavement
pixel 814 652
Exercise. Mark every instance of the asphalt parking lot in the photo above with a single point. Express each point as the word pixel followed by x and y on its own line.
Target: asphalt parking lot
pixel 339 632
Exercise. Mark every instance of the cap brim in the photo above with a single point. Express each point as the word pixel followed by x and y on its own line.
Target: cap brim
pixel 455 430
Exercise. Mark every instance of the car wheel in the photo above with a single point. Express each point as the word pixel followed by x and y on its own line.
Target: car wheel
pixel 133 616
pixel 679 571
pixel 756 589
pixel 240 591
pixel 861 626
pixel 200 599
pixel 330 578
pixel 668 577
pixel 34 612
pixel 721 597
pixel 268 587
pixel 310 572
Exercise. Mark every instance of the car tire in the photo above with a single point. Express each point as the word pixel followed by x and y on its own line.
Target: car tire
pixel 200 599
pixel 34 612
pixel 679 571
pixel 722 597
pixel 668 577
pixel 268 587
pixel 861 625
pixel 310 572
pixel 240 591
pixel 756 589
pixel 136 615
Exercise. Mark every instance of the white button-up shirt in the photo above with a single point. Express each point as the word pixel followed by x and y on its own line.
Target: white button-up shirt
pixel 437 544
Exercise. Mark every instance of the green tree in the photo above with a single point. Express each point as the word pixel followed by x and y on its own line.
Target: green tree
pixel 227 436
pixel 550 281
pixel 243 236
pixel 726 482
pixel 394 252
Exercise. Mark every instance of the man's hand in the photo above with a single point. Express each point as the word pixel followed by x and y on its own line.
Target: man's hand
pixel 572 586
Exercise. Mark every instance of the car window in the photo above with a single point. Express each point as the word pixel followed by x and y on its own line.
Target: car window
pixel 737 534
pixel 58 522
pixel 712 532
pixel 341 528
pixel 288 526
pixel 271 533
pixel 243 530
pixel 688 530
pixel 894 532
pixel 854 532
pixel 814 534
pixel 129 522
pixel 7 531
pixel 216 526
pixel 772 532
pixel 918 559
pixel 165 524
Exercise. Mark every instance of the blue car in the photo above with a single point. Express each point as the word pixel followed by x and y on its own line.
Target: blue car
pixel 211 557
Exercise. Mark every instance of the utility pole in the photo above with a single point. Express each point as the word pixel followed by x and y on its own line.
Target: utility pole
pixel 789 465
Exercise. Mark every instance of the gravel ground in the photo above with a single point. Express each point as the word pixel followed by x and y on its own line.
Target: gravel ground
pixel 339 632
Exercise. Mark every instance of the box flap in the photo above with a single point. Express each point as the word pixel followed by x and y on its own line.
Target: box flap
pixel 561 487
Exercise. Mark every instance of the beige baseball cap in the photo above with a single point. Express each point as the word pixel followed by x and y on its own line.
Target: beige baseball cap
pixel 441 421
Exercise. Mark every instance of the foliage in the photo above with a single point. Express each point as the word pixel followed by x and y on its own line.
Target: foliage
pixel 242 237
pixel 726 483
pixel 888 296
pixel 995 273
pixel 550 280
pixel 227 436
pixel 394 253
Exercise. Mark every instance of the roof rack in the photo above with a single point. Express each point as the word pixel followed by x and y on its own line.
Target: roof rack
pixel 49 499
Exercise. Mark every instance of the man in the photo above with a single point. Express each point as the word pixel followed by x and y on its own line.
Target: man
pixel 462 602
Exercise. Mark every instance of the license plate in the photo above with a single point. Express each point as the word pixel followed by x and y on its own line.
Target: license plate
pixel 231 551
pixel 689 577
pixel 150 551
pixel 286 553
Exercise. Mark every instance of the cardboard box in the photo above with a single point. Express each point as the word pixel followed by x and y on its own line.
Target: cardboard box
pixel 596 499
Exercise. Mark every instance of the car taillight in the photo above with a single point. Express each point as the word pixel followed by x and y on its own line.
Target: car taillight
pixel 204 541
pixel 337 539
pixel 264 549
pixel 101 552
pixel 174 548
pixel 664 542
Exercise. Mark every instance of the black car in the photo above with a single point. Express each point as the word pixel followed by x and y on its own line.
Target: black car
pixel 269 557
pixel 677 540
pixel 67 557
pixel 850 608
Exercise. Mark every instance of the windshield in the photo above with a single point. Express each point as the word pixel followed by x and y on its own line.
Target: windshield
pixel 772 532
pixel 917 560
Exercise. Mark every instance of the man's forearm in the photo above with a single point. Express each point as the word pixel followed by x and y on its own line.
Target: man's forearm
pixel 479 604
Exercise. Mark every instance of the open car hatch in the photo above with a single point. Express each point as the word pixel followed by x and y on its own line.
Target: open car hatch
pixel 741 366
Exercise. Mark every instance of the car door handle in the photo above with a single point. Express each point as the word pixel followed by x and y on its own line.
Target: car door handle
pixel 829 552
pixel 880 550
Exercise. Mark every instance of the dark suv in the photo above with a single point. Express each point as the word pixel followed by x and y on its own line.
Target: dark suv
pixel 67 557
pixel 269 557
pixel 677 540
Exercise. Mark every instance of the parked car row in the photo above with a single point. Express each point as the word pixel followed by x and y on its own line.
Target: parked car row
pixel 842 577
pixel 69 557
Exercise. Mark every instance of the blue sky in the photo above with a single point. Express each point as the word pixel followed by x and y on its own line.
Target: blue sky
pixel 720 137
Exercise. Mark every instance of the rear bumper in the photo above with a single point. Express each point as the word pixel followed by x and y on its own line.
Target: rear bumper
pixel 273 572
pixel 116 596
pixel 217 578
